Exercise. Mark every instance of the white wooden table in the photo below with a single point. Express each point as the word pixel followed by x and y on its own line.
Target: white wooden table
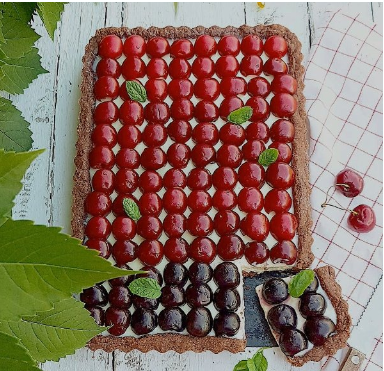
pixel 50 104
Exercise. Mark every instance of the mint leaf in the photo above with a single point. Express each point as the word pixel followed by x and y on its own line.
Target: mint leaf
pixel 131 209
pixel 145 288
pixel 50 14
pixel 300 282
pixel 22 11
pixel 136 91
pixel 268 156
pixel 241 366
pixel 240 115
pixel 251 365
pixel 14 132
pixel 261 363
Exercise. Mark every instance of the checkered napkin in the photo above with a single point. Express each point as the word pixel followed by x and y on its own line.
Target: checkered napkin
pixel 344 104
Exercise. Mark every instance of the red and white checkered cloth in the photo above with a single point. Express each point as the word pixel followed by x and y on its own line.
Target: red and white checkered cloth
pixel 345 110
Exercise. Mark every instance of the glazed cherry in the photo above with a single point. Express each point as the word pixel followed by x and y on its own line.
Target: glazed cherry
pixel 283 226
pixel 199 322
pixel 98 227
pixel 124 251
pixel 226 275
pixel 172 296
pixel 157 47
pixel 227 66
pixel 250 199
pixel 228 105
pixel 151 272
pixel 143 321
pixel 230 247
pixel 275 66
pixel 145 303
pixel 154 135
pixel 179 68
pixel 150 181
pixel 117 204
pixel 281 317
pixel 157 68
pixel 202 250
pixel 118 319
pixel 150 204
pixel 182 48
pixel 260 108
pixel 105 113
pixel 103 247
pixel 180 88
pixel 156 90
pixel 175 225
pixel 172 319
pixel 101 157
pixel 199 200
pixel 205 46
pixel 227 300
pixel 252 45
pixel 314 285
pixel 229 45
pixel 133 68
pixel 175 274
pixel 157 113
pixel 176 250
pixel 229 155
pixel 349 183
pixel 226 324
pixel 198 295
pixel 224 178
pixel 98 314
pixel 284 84
pixel 131 113
pixel 97 203
pixel 312 304
pixel 280 175
pixel 199 179
pixel 257 131
pixel 123 93
pixel 174 178
pixel 251 175
pixel 149 227
pixel 275 291
pixel 153 158
pixel 182 109
pixel 252 150
pixel 362 219
pixel 256 253
pixel 178 155
pixel 174 200
pixel 180 131
pixel 207 89
pixel 103 181
pixel 200 273
pixel 232 134
pixel 203 67
pixel 318 329
pixel 150 252
pixel 277 200
pixel 127 158
pixel 259 86
pixel 205 132
pixel 129 136
pixel 226 221
pixel 108 67
pixel 119 297
pixel 96 295
pixel 206 111
pixel 110 46
pixel 224 199
pixel 231 86
pixel 292 341
pixel 199 224
pixel 251 65
pixel 275 46
pixel 106 87
pixel 203 154
pixel 255 226
pixel 134 45
pixel 282 131
pixel 127 181
pixel 283 105
pixel 285 152
pixel 123 228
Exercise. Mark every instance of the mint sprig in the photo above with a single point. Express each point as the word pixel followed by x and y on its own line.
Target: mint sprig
pixel 257 363
pixel 145 288
pixel 136 91
pixel 131 209
pixel 268 156
pixel 300 282
pixel 240 115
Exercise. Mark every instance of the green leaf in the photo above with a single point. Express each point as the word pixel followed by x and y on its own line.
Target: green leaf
pixel 268 156
pixel 260 362
pixel 14 132
pixel 40 266
pixel 241 366
pixel 2 40
pixel 12 169
pixel 251 365
pixel 136 91
pixel 13 356
pixel 145 287
pixel 240 115
pixel 131 209
pixel 22 11
pixel 300 282
pixel 50 14
pixel 53 334
pixel 17 74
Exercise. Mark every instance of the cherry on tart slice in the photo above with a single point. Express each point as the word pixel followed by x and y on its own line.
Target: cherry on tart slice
pixel 97 204
pixel 284 252
pixel 133 68
pixel 277 200
pixel 256 253
pixel 205 132
pixel 108 67
pixel 134 45
pixel 149 227
pixel 182 48
pixel 180 88
pixel 283 226
pixel 283 105
pixel 275 66
pixel 275 291
pixel 349 183
pixel 292 341
pixel 174 225
pixel 228 45
pixel 96 295
pixel 110 46
pixel 255 226
pixel 318 329
pixel 202 250
pixel 106 87
pixel 285 152
pixel 205 46
pixel 282 317
pixel 312 304
pixel 156 90
pixel 226 221
pixel 280 175
pixel 157 68
pixel 105 113
pixel 257 131
pixel 176 250
pixel 230 247
pixel 259 86
pixel 282 131
pixel 150 252
pixel 252 45
pixel 275 46
pixel 284 84
pixel 118 319
pixel 124 251
pixel 157 47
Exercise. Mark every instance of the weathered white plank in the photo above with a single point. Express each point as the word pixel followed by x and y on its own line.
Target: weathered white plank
pixel 114 14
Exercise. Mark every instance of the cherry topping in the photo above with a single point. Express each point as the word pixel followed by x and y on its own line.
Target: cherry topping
pixel 118 319
pixel 224 199
pixel 228 45
pixel 175 274
pixel 250 199
pixel 123 93
pixel 314 285
pixel 110 46
pixel 275 66
pixel 131 113
pixel 284 84
pixel 103 181
pixel 283 226
pixel 124 251
pixel 260 108
pixel 224 178
pixel 176 250
pixel 226 324
pixel 230 247
pixel 182 48
pixel 200 273
pixel 182 109
pixel 277 200
pixel 134 45
pixel 180 88
pixel 145 303
pixel 199 200
pixel 103 247
pixel 226 275
pixel 175 200
pixel 157 68
pixel 117 204
pixel 199 322
pixel 156 90
pixel 97 203
pixel 175 225
pixel 349 183
pixel 203 154
pixel 205 46
pixel 133 68
pixel 281 317
pixel 174 178
pixel 292 341
pixel 312 304
pixel 153 158
pixel 98 314
pixel 143 320
pixel 206 111
pixel 252 45
pixel 199 179
pixel 98 227
pixel 129 136
pixel 226 221
pixel 227 300
pixel 157 47
pixel 283 105
pixel 203 67
pixel 108 67
pixel 256 252
pixel 255 226
pixel 205 132
pixel 227 66
pixel 150 252
pixel 119 297
pixel 180 131
pixel 228 105
pixel 149 227
pixel 198 295
pixel 318 329
pixel 127 181
pixel 172 296
pixel 257 131
pixel 280 175
pixel 251 65
pixel 127 158
pixel 150 181
pixel 207 89
pixel 362 219
pixel 275 291
pixel 123 228
pixel 252 150
pixel 178 155
pixel 101 157
pixel 106 87
pixel 285 152
pixel 282 131
pixel 229 155
pixel 232 134
pixel 283 252
pixel 179 68
pixel 96 295
pixel 230 86
pixel 172 319
pixel 259 86
pixel 275 46
pixel 251 175
pixel 157 113
pixel 202 250
pixel 150 204
pixel 199 224
pixel 105 113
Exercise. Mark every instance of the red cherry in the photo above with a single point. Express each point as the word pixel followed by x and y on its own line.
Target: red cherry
pixel 150 204
pixel 180 131
pixel 133 68
pixel 224 199
pixel 283 226
pixel 227 66
pixel 259 86
pixel 105 113
pixel 363 219
pixel 150 181
pixel 229 45
pixel 260 108
pixel 349 183
pixel 153 158
pixel 178 155
pixel 157 47
pixel 180 88
pixel 103 247
pixel 252 45
pixel 104 135
pixel 101 157
pixel 175 225
pixel 131 113
pixel 282 131
pixel 205 46
pixel 199 179
pixel 205 132
pixel 280 175
pixel 202 250
pixel 199 224
pixel 106 87
pixel 98 227
pixel 134 45
pixel 230 86
pixel 123 93
pixel 103 181
pixel 97 204
pixel 226 221
pixel 117 320
pixel 176 250
pixel 232 134
pixel 285 152
pixel 284 252
pixel 255 226
pixel 154 135
pixel 257 131
pixel 284 84
pixel 230 247
pixel 174 200
pixel 275 46
pixel 250 199
pixel 124 251
pixel 182 48
pixel 229 155
pixel 251 175
pixel 117 204
pixel 149 227
pixel 179 68
pixel 182 109
pixel 150 252
pixel 123 228
pixel 256 253
pixel 283 105
pixel 175 178
pixel 207 89
pixel 127 158
pixel 110 46
pixel 251 65
pixel 126 181
pixel 275 66
pixel 129 136
pixel 252 150
pixel 277 200
pixel 199 200
pixel 203 67
pixel 224 178
pixel 156 90
pixel 157 68
pixel 206 111
pixel 108 67
pixel 157 113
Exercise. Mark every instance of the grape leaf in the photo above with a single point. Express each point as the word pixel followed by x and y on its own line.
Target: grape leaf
pixel 53 334
pixel 12 169
pixel 50 14
pixel 261 363
pixel 14 132
pixel 17 74
pixel 22 11
pixel 13 356
pixel 40 266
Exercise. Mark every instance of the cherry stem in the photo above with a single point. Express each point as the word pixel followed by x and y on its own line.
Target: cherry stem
pixel 328 197
pixel 340 208
pixel 342 184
